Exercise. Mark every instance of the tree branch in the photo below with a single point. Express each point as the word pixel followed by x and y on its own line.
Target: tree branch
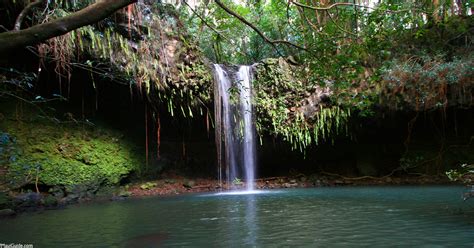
pixel 295 2
pixel 260 33
pixel 25 12
pixel 203 20
pixel 218 32
pixel 9 41
pixel 330 6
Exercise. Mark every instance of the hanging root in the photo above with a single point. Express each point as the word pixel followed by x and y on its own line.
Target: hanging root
pixel 146 136
pixel 158 135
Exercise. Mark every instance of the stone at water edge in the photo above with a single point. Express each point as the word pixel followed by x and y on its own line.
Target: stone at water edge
pixel 49 201
pixel 170 181
pixel 189 184
pixel 6 212
pixel 57 192
pixel 27 200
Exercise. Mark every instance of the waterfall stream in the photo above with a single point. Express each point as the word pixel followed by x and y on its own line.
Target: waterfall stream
pixel 235 131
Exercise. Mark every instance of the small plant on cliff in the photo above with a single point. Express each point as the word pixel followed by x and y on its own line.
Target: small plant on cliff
pixel 237 181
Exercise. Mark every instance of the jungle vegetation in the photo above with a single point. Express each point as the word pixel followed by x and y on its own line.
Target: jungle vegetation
pixel 317 63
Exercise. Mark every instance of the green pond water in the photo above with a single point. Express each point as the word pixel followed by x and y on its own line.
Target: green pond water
pixel 321 217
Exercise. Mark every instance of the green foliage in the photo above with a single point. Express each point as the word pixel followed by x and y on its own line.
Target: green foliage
pixel 423 83
pixel 464 174
pixel 289 105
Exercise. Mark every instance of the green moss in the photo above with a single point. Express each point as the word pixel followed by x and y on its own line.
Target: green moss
pixel 68 154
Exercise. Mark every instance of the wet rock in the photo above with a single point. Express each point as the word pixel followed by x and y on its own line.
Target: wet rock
pixel 339 182
pixel 106 192
pixel 319 183
pixel 189 184
pixel 118 198
pixel 5 201
pixel 71 198
pixel 6 212
pixel 290 185
pixel 28 200
pixel 50 201
pixel 148 186
pixel 125 194
pixel 56 191
pixel 170 181
pixel 81 191
pixel 292 181
pixel 469 194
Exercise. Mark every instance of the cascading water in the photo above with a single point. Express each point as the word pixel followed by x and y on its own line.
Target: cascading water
pixel 235 131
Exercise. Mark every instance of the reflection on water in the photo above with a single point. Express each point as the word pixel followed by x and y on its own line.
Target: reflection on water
pixel 243 192
pixel 375 216
pixel 251 221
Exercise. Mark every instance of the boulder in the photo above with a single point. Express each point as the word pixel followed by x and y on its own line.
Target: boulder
pixel 6 212
pixel 50 201
pixel 189 184
pixel 28 200
pixel 5 201
pixel 56 191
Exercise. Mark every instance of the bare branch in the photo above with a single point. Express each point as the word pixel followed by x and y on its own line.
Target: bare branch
pixel 349 4
pixel 339 27
pixel 26 11
pixel 203 20
pixel 258 31
pixel 218 32
pixel 330 6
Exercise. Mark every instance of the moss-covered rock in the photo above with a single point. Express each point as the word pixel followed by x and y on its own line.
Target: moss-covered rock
pixel 66 155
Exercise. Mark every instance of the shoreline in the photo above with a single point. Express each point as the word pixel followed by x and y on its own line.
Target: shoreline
pixel 181 186
pixel 177 186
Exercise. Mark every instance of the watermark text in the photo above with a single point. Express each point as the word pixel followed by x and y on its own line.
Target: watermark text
pixel 13 245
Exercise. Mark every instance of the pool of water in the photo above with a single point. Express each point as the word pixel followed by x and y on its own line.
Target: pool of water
pixel 347 216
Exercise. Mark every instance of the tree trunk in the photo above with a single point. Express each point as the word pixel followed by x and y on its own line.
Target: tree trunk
pixel 12 40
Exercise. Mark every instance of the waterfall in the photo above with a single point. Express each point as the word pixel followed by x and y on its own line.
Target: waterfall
pixel 235 131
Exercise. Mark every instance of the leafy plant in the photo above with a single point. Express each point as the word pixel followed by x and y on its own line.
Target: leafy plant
pixel 465 174
pixel 237 181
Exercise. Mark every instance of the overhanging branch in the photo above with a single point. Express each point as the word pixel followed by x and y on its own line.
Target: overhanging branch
pixel 334 5
pixel 258 31
pixel 330 6
pixel 25 12
pixel 9 41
